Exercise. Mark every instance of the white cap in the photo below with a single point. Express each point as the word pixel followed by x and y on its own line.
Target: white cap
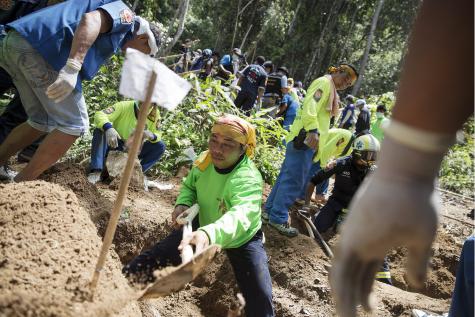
pixel 144 28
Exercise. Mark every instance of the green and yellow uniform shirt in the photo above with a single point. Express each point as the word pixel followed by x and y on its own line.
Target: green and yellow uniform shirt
pixel 313 113
pixel 330 150
pixel 230 204
pixel 122 116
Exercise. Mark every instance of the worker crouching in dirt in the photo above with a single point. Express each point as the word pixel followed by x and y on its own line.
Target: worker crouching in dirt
pixel 114 126
pixel 228 189
pixel 349 171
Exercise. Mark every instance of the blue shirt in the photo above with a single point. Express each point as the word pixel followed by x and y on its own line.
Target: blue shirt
pixel 347 115
pixel 254 76
pixel 226 60
pixel 51 30
pixel 291 112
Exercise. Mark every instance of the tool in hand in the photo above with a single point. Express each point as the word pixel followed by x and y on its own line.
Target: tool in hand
pixel 175 279
pixel 305 216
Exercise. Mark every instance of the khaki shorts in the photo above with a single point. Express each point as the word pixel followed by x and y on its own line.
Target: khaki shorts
pixel 31 75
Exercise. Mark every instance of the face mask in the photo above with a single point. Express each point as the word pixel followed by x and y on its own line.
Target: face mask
pixel 235 58
pixel 379 115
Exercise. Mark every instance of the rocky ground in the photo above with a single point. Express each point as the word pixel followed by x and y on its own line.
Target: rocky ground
pixel 51 233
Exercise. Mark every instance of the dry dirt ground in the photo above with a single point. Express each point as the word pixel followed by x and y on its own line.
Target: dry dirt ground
pixel 51 235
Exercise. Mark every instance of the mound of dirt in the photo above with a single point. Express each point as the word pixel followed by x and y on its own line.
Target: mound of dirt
pixel 298 266
pixel 299 271
pixel 443 265
pixel 143 217
pixel 73 177
pixel 48 252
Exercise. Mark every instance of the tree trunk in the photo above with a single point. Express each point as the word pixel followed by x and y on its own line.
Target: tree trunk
pixel 369 41
pixel 236 23
pixel 316 53
pixel 347 36
pixel 245 37
pixel 333 18
pixel 134 6
pixel 181 25
pixel 290 31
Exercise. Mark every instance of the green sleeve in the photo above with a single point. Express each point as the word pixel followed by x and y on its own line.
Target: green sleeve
pixel 187 194
pixel 243 210
pixel 109 115
pixel 312 109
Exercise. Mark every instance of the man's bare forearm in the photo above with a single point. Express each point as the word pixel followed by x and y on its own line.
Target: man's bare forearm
pixel 309 192
pixel 91 25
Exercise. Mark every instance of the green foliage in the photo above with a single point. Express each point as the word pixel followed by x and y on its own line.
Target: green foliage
pixel 457 169
pixel 190 126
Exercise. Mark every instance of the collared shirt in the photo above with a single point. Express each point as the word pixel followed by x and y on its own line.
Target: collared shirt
pixel 313 113
pixel 122 116
pixel 230 203
pixel 51 30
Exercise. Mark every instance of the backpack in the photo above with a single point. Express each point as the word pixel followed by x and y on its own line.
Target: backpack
pixel 274 84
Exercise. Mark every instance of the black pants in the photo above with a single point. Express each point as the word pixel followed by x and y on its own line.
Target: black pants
pixel 328 217
pixel 249 263
pixel 245 101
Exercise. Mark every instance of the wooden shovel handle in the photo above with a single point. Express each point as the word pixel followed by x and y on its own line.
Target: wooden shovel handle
pixel 187 251
pixel 124 182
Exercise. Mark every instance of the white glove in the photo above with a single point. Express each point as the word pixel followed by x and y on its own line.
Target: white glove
pixel 395 206
pixel 148 135
pixel 112 138
pixel 66 81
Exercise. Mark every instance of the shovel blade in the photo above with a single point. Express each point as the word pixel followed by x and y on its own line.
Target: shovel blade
pixel 175 279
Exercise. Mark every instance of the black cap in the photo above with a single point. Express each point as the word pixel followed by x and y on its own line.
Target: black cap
pixel 260 60
pixel 284 70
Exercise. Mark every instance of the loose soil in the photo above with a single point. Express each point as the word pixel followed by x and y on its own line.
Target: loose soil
pixel 48 250
pixel 298 266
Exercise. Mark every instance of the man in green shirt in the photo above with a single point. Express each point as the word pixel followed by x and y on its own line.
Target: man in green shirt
pixel 381 122
pixel 227 186
pixel 114 126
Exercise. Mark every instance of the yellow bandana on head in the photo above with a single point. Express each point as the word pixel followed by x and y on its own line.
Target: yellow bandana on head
pixel 350 71
pixel 233 127
pixel 344 68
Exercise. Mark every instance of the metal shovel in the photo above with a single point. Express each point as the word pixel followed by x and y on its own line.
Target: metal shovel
pixel 305 216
